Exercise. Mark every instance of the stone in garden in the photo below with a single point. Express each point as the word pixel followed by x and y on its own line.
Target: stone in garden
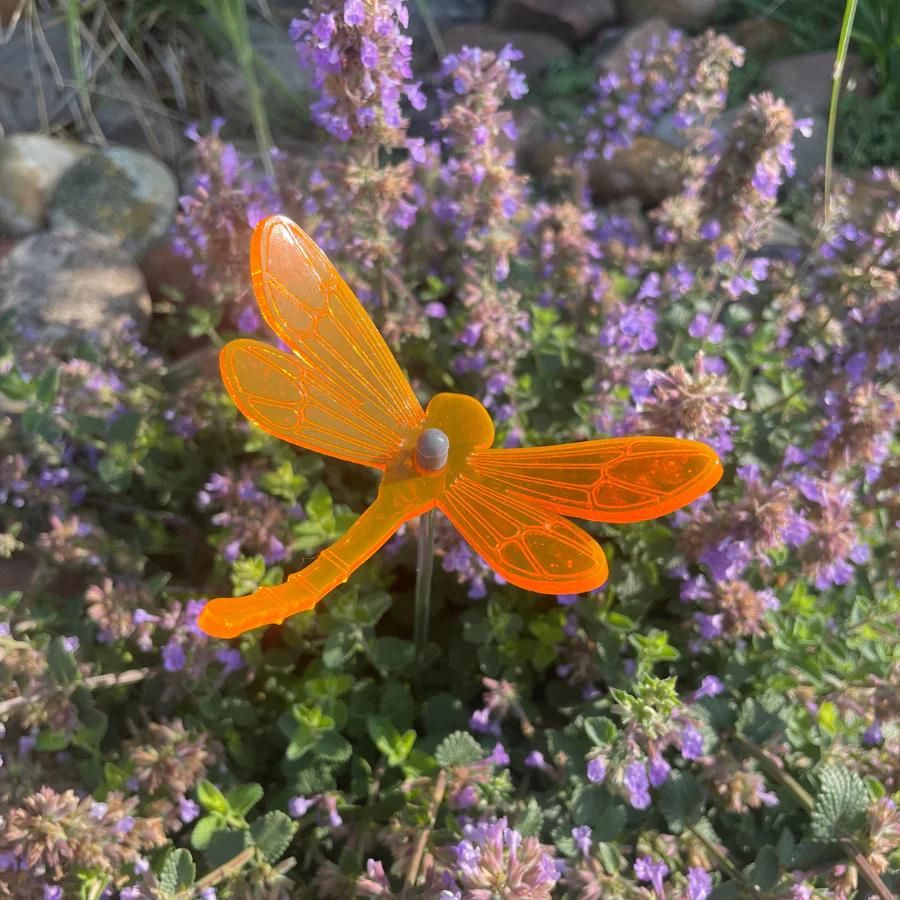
pixel 445 14
pixel 571 21
pixel 31 97
pixel 539 147
pixel 121 193
pixel 132 115
pixel 680 13
pixel 804 80
pixel 538 50
pixel 649 170
pixel 625 42
pixel 63 284
pixel 759 34
pixel 809 152
pixel 30 167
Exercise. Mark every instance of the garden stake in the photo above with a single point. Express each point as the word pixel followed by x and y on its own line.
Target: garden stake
pixel 342 393
pixel 424 568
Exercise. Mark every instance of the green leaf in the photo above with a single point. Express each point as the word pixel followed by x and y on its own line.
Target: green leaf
pixel 388 740
pixel 600 730
pixel 61 662
pixel 332 747
pixel 764 873
pixel 211 797
pixel 124 428
pixel 840 804
pixel 596 806
pixel 178 872
pixel 272 833
pixel 51 740
pixel 225 845
pixel 392 654
pixel 828 717
pixel 204 830
pixel 244 797
pixel 458 749
pixel 681 801
pixel 47 386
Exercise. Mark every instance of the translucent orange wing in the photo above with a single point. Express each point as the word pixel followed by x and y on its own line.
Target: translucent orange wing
pixel 343 393
pixel 617 480
pixel 529 547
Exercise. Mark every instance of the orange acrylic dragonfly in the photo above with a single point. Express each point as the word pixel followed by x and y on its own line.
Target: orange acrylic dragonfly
pixel 343 394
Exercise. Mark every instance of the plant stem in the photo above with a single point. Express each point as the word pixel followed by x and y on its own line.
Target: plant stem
pixel 424 568
pixel 92 683
pixel 437 795
pixel 836 78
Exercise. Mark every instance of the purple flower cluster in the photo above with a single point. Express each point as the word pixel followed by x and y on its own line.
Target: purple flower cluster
pixel 494 859
pixel 478 199
pixel 213 225
pixel 359 60
pixel 674 74
pixel 255 522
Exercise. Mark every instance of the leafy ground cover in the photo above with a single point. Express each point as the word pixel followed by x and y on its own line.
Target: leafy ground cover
pixel 720 720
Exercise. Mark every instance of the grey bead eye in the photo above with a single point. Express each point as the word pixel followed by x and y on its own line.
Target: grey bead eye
pixel 432 450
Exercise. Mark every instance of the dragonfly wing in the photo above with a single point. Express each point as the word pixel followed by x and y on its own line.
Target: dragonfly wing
pixel 357 404
pixel 617 480
pixel 531 548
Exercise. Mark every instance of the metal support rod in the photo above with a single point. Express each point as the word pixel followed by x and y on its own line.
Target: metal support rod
pixel 424 568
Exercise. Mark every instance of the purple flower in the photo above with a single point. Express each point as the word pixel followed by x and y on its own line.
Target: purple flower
pixel 691 742
pixel 354 13
pixel 699 884
pixel 173 657
pixel 582 837
pixel 187 810
pixel 231 659
pixel 710 686
pixel 535 760
pixel 596 769
pixel 498 756
pixel 125 824
pixel 872 736
pixel 637 785
pixel 659 770
pixel 646 869
pixel 52 892
pixel 300 806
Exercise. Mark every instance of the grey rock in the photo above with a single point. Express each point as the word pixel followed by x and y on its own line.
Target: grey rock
pixel 571 21
pixel 809 152
pixel 131 115
pixel 30 167
pixel 681 13
pixel 538 50
pixel 118 192
pixel 616 46
pixel 34 73
pixel 649 170
pixel 61 284
pixel 804 79
pixel 444 14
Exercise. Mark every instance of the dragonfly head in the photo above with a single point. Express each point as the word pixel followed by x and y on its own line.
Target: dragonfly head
pixel 465 424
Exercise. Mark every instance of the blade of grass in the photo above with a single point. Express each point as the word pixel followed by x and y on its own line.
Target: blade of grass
pixel 836 80
pixel 232 17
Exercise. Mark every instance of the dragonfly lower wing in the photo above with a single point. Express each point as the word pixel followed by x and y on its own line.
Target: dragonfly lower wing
pixel 530 548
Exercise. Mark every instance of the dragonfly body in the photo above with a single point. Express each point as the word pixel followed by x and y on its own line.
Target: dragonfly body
pixel 342 393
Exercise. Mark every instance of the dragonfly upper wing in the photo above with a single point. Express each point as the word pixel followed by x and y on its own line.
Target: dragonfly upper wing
pixel 617 480
pixel 343 393
pixel 529 547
